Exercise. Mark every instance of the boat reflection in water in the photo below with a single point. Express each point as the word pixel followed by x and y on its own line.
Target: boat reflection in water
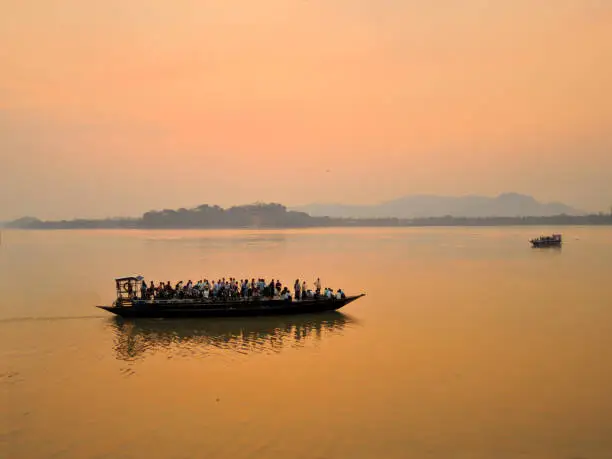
pixel 135 338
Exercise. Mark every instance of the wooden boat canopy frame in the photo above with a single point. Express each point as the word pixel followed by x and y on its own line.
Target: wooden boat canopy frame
pixel 127 289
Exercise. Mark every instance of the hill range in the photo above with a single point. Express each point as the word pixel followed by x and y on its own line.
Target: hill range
pixel 427 206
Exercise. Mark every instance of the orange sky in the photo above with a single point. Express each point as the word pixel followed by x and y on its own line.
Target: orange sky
pixel 115 108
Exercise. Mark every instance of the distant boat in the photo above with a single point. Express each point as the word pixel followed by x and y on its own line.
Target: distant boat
pixel 547 241
pixel 128 305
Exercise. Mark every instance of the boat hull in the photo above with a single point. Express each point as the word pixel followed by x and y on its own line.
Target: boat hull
pixel 237 308
pixel 540 244
pixel 547 241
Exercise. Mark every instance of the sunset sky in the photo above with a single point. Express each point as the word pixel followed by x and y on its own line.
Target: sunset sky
pixel 117 107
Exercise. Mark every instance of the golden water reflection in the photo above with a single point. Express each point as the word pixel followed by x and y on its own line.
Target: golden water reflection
pixel 136 338
pixel 469 344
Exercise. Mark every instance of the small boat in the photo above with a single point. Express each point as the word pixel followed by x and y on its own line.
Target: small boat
pixel 128 304
pixel 547 241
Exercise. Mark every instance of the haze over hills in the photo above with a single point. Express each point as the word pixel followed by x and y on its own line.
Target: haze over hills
pixel 425 206
pixel 272 215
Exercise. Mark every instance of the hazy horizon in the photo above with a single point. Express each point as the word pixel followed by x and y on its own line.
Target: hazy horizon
pixel 300 208
pixel 113 109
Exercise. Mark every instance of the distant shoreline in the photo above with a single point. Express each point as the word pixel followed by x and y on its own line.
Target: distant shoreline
pixel 588 220
pixel 276 216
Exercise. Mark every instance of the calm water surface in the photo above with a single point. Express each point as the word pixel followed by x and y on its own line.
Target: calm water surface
pixel 469 344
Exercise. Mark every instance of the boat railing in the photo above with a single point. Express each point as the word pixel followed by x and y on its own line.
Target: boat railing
pixel 207 301
pixel 198 300
pixel 124 302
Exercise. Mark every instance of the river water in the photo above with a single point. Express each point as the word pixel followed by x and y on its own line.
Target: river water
pixel 469 344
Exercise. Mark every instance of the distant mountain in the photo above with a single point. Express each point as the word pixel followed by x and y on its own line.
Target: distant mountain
pixel 425 206
pixel 22 222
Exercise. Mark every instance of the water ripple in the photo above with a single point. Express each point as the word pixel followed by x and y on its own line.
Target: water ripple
pixel 46 319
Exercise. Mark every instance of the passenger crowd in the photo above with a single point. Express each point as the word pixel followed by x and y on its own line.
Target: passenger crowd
pixel 225 289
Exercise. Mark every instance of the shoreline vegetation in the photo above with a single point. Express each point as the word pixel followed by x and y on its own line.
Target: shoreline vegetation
pixel 277 216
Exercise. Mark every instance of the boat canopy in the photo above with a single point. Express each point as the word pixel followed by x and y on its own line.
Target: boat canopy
pixel 129 278
pixel 127 287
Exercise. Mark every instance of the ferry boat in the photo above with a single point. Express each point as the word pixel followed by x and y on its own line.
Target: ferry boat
pixel 547 241
pixel 128 304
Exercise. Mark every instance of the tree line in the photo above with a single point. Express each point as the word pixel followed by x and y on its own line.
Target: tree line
pixel 278 216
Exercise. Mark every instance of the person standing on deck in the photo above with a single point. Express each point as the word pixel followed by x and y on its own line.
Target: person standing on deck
pixel 304 288
pixel 271 289
pixel 318 286
pixel 143 289
pixel 297 289
pixel 279 286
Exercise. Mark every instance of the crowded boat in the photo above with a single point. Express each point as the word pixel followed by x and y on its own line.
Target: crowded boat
pixel 225 297
pixel 547 241
pixel 224 289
